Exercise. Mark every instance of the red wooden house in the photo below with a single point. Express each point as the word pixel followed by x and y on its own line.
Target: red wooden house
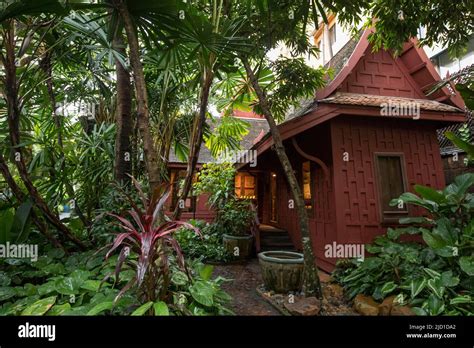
pixel 196 207
pixel 367 137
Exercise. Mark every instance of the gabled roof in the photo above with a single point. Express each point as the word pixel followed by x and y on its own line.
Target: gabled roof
pixel 412 63
pixel 258 127
pixel 364 80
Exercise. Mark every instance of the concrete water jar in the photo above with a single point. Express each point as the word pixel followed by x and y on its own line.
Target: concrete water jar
pixel 282 271
pixel 239 246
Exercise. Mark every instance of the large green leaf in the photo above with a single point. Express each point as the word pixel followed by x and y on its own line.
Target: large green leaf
pixel 448 279
pixel 387 288
pixel 47 288
pixel 6 292
pixel 203 292
pixel 179 278
pixel 206 272
pixel 161 309
pixel 436 286
pixel 430 194
pixel 99 308
pixel 464 182
pixel 467 264
pixel 142 309
pixel 461 299
pixel 21 227
pixel 71 285
pixel 463 145
pixel 435 305
pixel 5 280
pixel 410 198
pixel 40 307
pixel 434 241
pixel 93 285
pixel 59 309
pixel 7 217
pixel 417 286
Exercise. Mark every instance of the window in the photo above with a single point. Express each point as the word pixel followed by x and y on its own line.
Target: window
pixel 245 186
pixel 307 185
pixel 177 180
pixel 391 184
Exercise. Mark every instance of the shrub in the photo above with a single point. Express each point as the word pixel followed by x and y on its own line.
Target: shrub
pixel 237 217
pixel 434 278
pixel 196 293
pixel 209 247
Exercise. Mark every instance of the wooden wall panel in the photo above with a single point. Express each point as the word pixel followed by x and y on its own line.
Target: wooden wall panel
pixel 356 192
pixel 380 74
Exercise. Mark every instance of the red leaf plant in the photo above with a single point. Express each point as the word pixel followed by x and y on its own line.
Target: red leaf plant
pixel 149 235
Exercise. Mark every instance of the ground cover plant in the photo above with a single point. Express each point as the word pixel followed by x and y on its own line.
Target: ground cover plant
pixel 434 277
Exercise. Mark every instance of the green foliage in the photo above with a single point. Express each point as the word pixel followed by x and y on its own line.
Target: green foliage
pixel 94 160
pixel 207 247
pixel 435 278
pixel 237 217
pixel 73 285
pixel 293 81
pixel 217 180
pixel 226 135
pixel 59 285
pixel 15 226
pixel 197 293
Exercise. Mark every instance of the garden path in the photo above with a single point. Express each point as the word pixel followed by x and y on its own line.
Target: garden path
pixel 245 279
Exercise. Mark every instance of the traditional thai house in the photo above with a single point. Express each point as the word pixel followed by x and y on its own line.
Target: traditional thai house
pixel 364 139
pixel 196 207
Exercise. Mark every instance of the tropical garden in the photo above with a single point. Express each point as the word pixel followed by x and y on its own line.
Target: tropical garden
pixel 96 95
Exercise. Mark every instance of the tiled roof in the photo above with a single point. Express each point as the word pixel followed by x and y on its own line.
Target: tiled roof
pixel 378 100
pixel 257 126
pixel 337 62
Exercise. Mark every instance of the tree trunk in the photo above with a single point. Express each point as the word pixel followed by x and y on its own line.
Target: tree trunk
pixel 196 140
pixel 311 286
pixel 123 119
pixel 13 117
pixel 143 115
pixel 47 68
pixel 21 198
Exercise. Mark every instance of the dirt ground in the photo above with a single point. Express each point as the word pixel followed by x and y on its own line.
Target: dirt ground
pixel 245 279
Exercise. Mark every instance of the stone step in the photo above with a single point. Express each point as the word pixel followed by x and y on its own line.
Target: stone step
pixel 280 247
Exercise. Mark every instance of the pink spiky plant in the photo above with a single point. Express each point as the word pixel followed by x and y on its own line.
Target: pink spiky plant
pixel 149 235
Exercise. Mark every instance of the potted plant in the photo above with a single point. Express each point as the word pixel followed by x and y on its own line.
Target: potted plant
pixel 238 220
pixel 235 218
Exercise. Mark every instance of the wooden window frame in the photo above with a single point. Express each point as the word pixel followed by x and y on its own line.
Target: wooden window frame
pixel 241 194
pixel 401 213
pixel 311 186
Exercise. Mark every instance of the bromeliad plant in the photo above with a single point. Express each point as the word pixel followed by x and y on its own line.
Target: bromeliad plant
pixel 146 245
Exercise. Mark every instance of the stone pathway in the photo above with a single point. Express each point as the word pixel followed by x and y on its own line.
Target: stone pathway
pixel 245 279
